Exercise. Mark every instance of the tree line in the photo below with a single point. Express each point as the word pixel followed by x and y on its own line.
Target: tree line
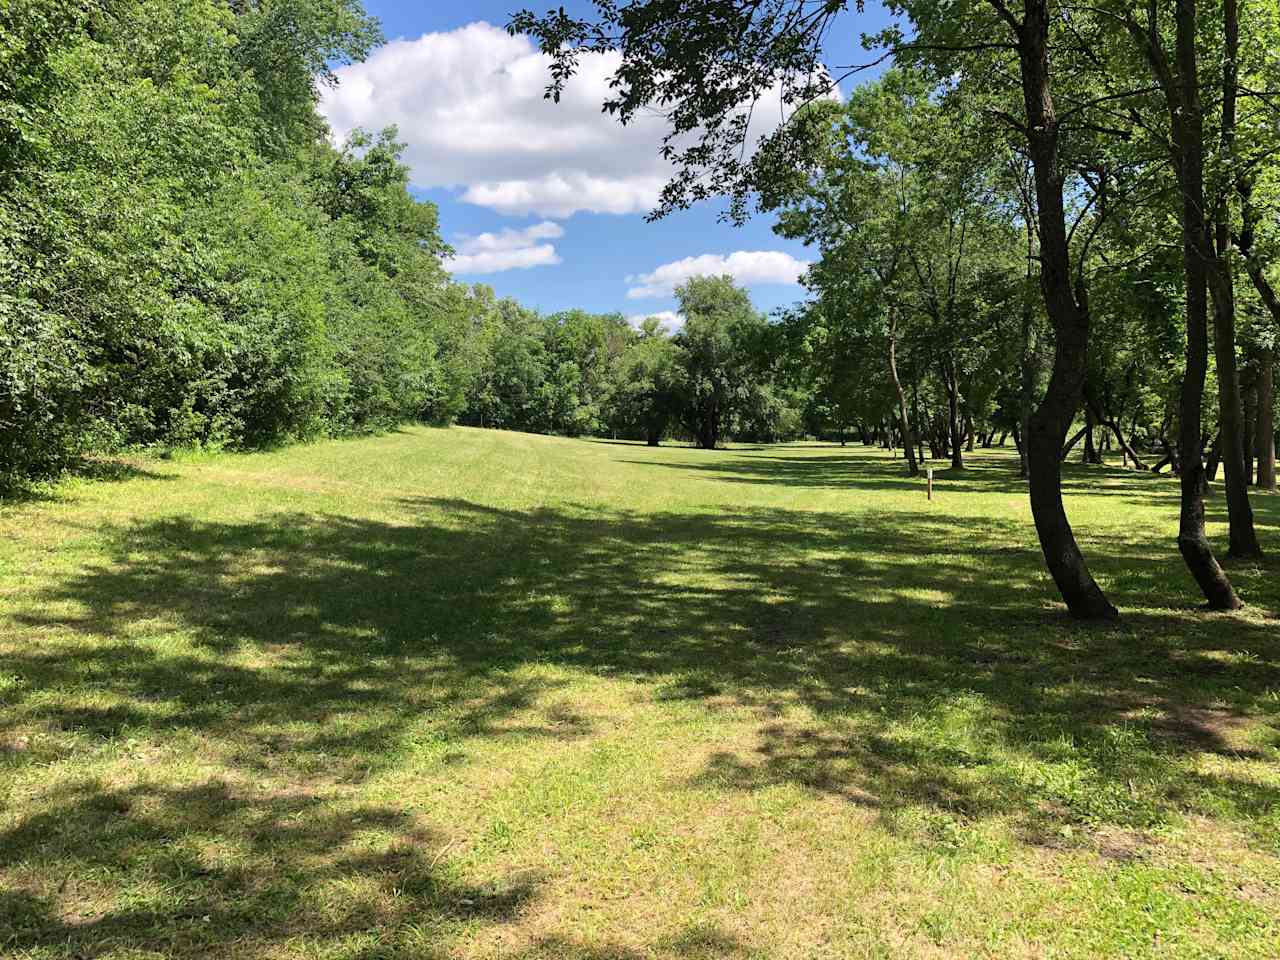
pixel 186 260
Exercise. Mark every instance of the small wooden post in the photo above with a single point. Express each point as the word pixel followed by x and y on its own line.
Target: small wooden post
pixel 930 472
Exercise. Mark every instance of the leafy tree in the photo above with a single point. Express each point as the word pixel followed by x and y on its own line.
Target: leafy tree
pixel 648 382
pixel 719 378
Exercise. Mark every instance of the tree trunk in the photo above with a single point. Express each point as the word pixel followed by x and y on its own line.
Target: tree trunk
pixel 1250 429
pixel 1027 371
pixel 955 434
pixel 1091 455
pixel 1048 425
pixel 1183 97
pixel 1126 448
pixel 908 441
pixel 1266 437
pixel 1213 460
pixel 1243 539
pixel 915 407
pixel 1071 444
pixel 1266 422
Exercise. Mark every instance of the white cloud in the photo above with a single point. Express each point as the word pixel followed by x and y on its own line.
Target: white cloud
pixel 506 250
pixel 668 318
pixel 469 105
pixel 747 267
pixel 564 194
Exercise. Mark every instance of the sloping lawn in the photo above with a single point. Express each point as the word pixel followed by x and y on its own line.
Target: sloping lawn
pixel 454 693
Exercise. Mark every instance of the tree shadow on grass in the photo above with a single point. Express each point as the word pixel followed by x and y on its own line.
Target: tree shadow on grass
pixel 97 469
pixel 931 664
pixel 236 863
pixel 992 472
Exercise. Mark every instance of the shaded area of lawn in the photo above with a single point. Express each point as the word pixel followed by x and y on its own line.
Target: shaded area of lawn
pixel 936 669
pixel 987 472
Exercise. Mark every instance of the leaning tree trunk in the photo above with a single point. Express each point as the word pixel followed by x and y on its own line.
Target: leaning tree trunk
pixel 1047 427
pixel 1213 459
pixel 1243 538
pixel 1266 438
pixel 908 441
pixel 1110 423
pixel 1183 96
pixel 1071 444
pixel 1027 371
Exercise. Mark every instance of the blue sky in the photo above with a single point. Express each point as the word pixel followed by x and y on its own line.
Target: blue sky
pixel 544 203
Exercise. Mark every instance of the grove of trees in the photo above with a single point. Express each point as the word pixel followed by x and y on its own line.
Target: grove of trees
pixel 1119 156
pixel 185 260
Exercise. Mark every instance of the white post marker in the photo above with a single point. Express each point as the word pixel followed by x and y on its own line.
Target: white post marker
pixel 931 483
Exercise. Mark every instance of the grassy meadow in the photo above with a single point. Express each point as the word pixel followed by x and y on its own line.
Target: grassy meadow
pixel 472 694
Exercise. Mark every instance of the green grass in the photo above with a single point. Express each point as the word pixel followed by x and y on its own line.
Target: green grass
pixel 477 694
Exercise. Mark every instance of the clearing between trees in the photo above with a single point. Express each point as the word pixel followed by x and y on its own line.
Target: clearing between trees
pixel 464 693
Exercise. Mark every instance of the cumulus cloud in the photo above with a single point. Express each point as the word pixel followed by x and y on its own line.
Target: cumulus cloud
pixel 564 194
pixel 506 250
pixel 469 106
pixel 747 267
pixel 669 319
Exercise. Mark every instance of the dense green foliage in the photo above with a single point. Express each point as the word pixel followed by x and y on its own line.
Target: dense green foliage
pixel 187 261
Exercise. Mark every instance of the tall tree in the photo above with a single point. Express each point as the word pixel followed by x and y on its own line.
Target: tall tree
pixel 716 351
pixel 708 63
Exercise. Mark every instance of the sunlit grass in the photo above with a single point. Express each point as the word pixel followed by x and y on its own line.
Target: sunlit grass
pixel 476 694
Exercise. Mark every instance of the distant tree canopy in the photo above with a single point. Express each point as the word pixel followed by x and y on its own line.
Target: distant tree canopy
pixel 185 260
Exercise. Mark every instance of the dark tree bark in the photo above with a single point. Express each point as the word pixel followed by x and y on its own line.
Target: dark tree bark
pixel 1182 96
pixel 1213 460
pixel 1266 425
pixel 1027 371
pixel 1265 428
pixel 1071 444
pixel 1091 454
pixel 915 406
pixel 955 435
pixel 908 441
pixel 1110 423
pixel 1243 537
pixel 1047 427
pixel 1250 390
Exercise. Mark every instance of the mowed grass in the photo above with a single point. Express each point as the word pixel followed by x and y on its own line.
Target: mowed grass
pixel 454 693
